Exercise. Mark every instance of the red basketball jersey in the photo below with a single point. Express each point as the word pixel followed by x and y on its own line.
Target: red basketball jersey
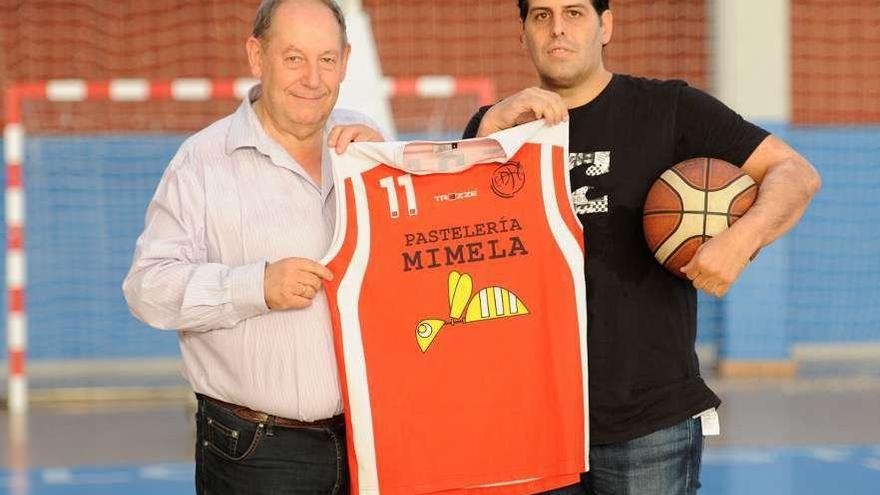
pixel 459 314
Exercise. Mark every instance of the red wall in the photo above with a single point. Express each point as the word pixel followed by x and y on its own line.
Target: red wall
pixel 104 39
pixel 835 61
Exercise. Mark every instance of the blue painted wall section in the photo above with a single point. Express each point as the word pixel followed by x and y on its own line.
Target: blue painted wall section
pixel 835 252
pixel 87 196
pixel 818 284
pixel 754 311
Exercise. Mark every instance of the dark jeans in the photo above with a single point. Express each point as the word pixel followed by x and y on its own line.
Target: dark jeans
pixel 666 462
pixel 234 456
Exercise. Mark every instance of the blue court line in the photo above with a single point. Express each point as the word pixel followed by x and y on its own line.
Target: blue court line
pixel 812 470
pixel 150 479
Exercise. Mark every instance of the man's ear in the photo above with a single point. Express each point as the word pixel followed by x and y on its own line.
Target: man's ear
pixel 254 48
pixel 607 26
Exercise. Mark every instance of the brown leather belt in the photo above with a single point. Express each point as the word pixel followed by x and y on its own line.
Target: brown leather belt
pixel 261 417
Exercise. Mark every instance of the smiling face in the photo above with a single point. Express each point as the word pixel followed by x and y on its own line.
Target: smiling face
pixel 300 62
pixel 565 39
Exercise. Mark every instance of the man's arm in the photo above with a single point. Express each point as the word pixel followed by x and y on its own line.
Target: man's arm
pixel 787 183
pixel 171 285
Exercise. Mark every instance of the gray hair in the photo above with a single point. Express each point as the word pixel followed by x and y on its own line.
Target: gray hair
pixel 267 8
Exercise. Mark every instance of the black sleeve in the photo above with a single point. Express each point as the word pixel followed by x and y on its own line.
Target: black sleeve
pixel 474 125
pixel 706 127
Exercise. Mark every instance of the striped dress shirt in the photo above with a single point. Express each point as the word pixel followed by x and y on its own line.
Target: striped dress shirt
pixel 231 200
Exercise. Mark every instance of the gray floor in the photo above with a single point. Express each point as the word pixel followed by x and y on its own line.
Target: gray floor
pixel 817 411
pixel 104 434
pixel 799 411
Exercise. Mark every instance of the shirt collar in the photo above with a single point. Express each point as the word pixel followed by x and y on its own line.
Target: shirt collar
pixel 245 130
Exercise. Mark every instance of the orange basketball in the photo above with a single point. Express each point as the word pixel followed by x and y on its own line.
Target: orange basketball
pixel 691 203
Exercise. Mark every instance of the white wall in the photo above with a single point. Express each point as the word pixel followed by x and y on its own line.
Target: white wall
pixel 363 89
pixel 751 70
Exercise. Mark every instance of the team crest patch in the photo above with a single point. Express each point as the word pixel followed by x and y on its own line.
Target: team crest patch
pixel 488 303
pixel 508 179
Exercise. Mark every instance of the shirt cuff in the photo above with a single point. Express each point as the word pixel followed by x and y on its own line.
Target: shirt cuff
pixel 246 284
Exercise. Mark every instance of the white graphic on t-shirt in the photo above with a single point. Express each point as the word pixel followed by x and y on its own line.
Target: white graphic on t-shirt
pixel 597 163
pixel 592 164
pixel 584 206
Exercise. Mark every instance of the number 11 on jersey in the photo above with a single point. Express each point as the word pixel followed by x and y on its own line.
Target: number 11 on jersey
pixel 404 181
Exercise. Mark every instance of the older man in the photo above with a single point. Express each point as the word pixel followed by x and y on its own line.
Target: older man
pixel 226 259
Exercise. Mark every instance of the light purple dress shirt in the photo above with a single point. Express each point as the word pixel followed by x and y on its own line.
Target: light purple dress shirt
pixel 230 201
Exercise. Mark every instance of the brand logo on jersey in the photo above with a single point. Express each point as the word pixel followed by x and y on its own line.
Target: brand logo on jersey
pixel 456 196
pixel 508 179
pixel 489 303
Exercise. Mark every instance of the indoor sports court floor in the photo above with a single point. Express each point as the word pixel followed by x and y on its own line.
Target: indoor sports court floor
pixel 805 436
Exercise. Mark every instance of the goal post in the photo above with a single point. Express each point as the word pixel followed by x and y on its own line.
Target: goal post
pixel 67 90
pixel 18 97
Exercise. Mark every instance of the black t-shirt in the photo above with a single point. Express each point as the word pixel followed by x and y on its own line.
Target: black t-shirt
pixel 642 320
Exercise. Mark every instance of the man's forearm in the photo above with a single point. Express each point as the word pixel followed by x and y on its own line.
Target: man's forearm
pixel 172 295
pixel 783 195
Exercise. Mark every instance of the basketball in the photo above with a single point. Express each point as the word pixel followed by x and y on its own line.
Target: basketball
pixel 690 203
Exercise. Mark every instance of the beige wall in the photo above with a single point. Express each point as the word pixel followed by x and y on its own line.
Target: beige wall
pixel 750 42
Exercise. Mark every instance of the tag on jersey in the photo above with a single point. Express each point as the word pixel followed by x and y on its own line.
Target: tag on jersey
pixel 439 148
pixel 710 422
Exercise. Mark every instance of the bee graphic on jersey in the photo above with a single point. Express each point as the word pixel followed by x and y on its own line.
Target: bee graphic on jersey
pixel 488 304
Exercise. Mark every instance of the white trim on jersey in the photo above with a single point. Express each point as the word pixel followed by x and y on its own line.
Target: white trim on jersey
pixel 339 229
pixel 534 132
pixel 360 157
pixel 360 412
pixel 574 256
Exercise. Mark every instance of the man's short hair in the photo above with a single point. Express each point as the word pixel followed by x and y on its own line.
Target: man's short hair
pixel 599 5
pixel 266 12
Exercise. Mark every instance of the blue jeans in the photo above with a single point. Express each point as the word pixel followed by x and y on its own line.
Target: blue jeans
pixel 666 462
pixel 234 456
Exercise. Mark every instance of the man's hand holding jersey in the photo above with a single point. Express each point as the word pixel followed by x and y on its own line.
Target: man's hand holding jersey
pixel 292 283
pixel 343 135
pixel 527 105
